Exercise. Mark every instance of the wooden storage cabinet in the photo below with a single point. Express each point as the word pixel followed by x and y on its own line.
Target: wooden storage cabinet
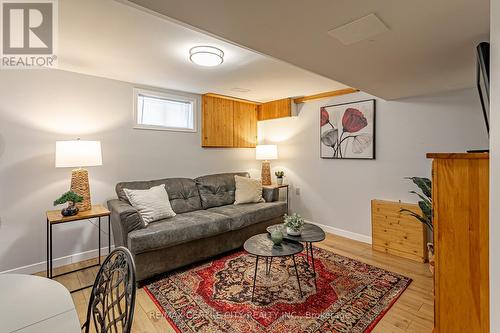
pixel 228 123
pixel 398 233
pixel 245 125
pixel 276 109
pixel 217 118
pixel 461 240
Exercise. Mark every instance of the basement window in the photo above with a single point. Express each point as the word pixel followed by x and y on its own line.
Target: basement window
pixel 163 111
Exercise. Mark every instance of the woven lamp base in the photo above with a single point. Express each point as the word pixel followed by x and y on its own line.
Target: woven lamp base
pixel 80 185
pixel 266 173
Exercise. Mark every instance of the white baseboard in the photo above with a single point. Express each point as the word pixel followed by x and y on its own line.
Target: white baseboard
pixel 344 233
pixel 77 257
pixel 57 262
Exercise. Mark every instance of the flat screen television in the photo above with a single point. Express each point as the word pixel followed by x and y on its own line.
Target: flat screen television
pixel 483 80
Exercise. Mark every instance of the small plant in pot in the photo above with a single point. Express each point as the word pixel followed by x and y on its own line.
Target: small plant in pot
pixel 279 177
pixel 425 204
pixel 72 199
pixel 294 224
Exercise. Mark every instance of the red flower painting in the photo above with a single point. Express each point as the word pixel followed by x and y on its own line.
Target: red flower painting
pixel 353 120
pixel 355 131
pixel 325 118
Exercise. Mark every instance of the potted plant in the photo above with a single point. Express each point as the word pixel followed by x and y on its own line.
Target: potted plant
pixel 294 224
pixel 71 198
pixel 425 204
pixel 279 177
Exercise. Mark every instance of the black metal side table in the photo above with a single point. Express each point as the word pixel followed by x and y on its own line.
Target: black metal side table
pixel 310 234
pixel 54 217
pixel 261 245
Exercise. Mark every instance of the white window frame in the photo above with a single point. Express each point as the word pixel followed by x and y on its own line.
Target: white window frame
pixel 170 96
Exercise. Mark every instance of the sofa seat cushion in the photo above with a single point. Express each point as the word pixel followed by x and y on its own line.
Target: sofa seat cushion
pixel 251 213
pixel 179 229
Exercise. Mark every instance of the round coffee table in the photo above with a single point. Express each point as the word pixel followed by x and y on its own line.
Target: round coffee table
pixel 310 234
pixel 262 246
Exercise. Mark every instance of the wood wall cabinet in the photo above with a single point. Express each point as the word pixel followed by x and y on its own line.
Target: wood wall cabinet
pixel 275 109
pixel 245 125
pixel 228 123
pixel 217 118
pixel 461 240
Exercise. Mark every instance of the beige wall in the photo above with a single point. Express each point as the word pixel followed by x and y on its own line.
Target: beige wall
pixel 38 107
pixel 337 193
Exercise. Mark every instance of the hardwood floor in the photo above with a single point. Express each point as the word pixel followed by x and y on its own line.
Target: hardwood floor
pixel 413 312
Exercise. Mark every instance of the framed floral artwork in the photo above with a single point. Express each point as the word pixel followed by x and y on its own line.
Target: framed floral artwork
pixel 347 131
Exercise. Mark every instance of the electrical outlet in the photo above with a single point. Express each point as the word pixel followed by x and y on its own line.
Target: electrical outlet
pixel 297 191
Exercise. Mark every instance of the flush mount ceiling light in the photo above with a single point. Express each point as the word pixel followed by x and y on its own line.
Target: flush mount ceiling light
pixel 207 56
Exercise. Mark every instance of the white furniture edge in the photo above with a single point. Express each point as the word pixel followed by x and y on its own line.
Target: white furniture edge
pixel 32 303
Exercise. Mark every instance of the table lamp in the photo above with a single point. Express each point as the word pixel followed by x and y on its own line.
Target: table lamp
pixel 266 153
pixel 77 154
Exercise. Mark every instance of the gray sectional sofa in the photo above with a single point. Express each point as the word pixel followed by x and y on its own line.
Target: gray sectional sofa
pixel 207 222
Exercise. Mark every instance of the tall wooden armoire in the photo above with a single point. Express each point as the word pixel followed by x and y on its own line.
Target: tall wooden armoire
pixel 460 192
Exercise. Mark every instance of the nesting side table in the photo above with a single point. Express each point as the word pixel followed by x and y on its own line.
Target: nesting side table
pixel 310 234
pixel 261 245
pixel 54 217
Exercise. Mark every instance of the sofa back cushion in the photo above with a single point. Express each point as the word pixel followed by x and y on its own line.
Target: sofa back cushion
pixel 218 190
pixel 182 192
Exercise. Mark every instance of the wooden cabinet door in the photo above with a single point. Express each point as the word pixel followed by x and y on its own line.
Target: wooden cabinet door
pixel 217 122
pixel 396 232
pixel 245 125
pixel 461 238
pixel 276 109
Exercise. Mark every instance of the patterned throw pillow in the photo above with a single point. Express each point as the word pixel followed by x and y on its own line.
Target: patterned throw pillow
pixel 152 204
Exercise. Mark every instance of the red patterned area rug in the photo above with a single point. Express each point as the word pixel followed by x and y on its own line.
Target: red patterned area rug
pixel 215 296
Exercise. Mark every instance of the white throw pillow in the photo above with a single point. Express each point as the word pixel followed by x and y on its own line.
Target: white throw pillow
pixel 152 204
pixel 247 190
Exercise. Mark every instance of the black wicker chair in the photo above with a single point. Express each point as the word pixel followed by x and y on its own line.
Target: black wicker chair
pixel 112 301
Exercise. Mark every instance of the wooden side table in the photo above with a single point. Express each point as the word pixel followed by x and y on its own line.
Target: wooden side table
pixel 276 186
pixel 54 217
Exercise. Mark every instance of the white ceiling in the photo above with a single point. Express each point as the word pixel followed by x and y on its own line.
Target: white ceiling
pixel 114 40
pixel 430 46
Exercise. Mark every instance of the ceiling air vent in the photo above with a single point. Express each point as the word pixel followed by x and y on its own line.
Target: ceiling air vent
pixel 359 30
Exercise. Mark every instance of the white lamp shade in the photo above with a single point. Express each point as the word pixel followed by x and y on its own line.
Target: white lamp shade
pixel 266 152
pixel 78 153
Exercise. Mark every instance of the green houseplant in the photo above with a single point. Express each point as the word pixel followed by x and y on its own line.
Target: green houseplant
pixel 279 176
pixel 72 199
pixel 294 224
pixel 425 204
